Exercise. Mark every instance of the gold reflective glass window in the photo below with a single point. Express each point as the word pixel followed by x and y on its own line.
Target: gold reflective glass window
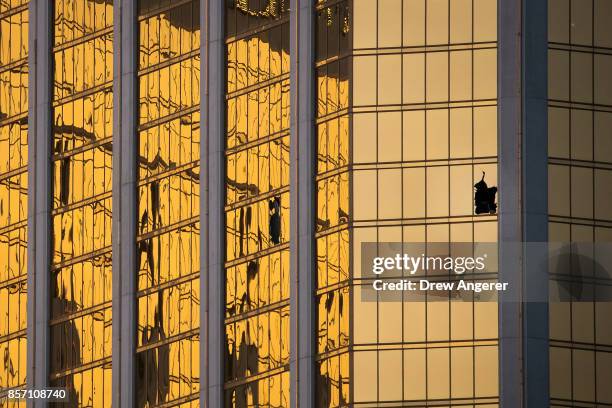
pixel 419 158
pixel 257 205
pixel 168 235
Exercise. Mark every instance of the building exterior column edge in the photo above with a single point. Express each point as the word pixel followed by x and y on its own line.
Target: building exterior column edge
pixel 522 141
pixel 125 142
pixel 214 243
pixel 204 197
pixel 39 195
pixel 302 199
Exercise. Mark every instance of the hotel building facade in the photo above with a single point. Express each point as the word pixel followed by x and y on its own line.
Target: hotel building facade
pixel 185 186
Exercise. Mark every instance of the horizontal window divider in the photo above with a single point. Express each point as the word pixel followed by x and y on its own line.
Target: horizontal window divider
pixel 14 335
pixel 258 86
pixel 105 142
pixel 278 21
pixel 12 173
pixel 168 340
pixel 170 61
pixel 406 108
pixel 64 373
pixel 246 146
pixel 14 10
pixel 21 119
pixel 80 313
pixel 169 118
pixel 420 49
pixel 21 63
pixel 17 280
pixel 406 165
pixel 323 62
pixel 257 311
pixel 406 222
pixel 334 172
pixel 332 230
pixel 162 9
pixel 324 4
pixel 424 106
pixel 590 49
pixel 256 377
pixel 335 287
pixel 80 258
pixel 105 87
pixel 600 282
pixel 424 163
pixel 429 220
pixel 83 203
pixel 261 197
pixel 434 277
pixel 334 115
pixel 427 345
pixel 177 402
pixel 576 345
pixel 589 222
pixel 589 164
pixel 163 230
pixel 169 171
pixel 333 353
pixel 560 402
pixel 83 39
pixel 431 402
pixel 591 107
pixel 168 284
pixel 259 254
pixel 14 228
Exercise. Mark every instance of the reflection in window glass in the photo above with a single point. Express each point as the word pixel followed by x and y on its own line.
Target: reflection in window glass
pixel 81 259
pixel 410 177
pixel 14 22
pixel 257 326
pixel 168 228
pixel 332 182
pixel 579 180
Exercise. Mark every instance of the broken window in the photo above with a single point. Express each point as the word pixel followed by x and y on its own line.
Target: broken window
pixel 484 197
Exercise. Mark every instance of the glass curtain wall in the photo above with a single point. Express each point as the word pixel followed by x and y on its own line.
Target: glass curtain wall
pixel 579 192
pixel 333 291
pixel 81 283
pixel 168 232
pixel 407 124
pixel 14 21
pixel 257 204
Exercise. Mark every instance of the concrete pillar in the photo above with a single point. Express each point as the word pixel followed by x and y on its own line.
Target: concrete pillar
pixel 40 83
pixel 510 221
pixel 125 213
pixel 302 170
pixel 535 202
pixel 204 239
pixel 522 141
pixel 213 135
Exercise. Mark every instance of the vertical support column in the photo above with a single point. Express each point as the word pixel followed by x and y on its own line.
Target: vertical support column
pixel 535 203
pixel 302 141
pixel 204 238
pixel 39 194
pixel 215 234
pixel 510 223
pixel 522 141
pixel 125 141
